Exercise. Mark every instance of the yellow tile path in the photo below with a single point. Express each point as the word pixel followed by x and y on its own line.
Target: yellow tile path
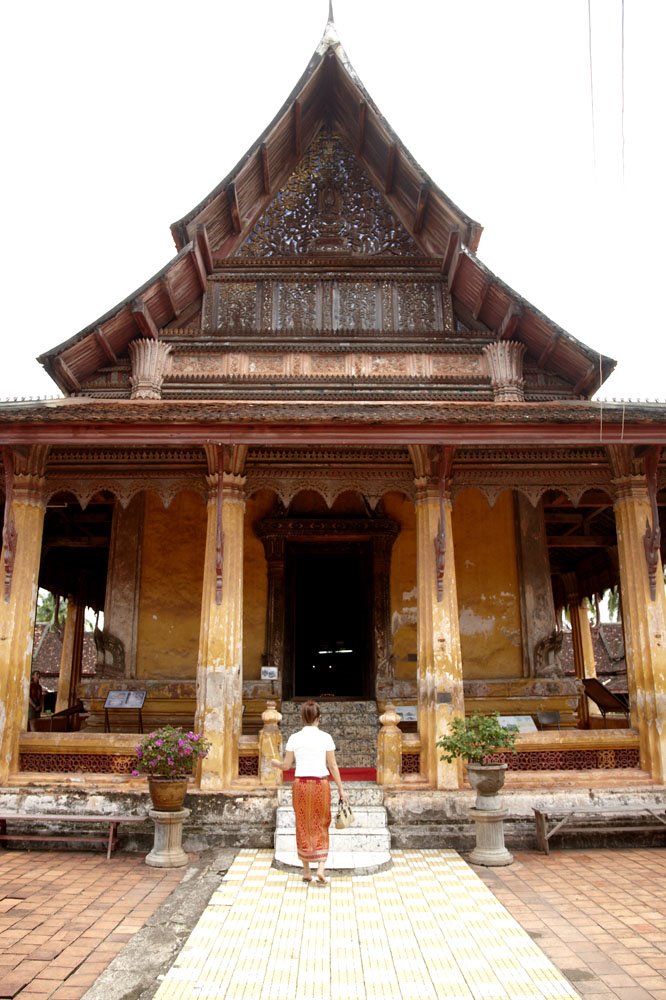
pixel 427 928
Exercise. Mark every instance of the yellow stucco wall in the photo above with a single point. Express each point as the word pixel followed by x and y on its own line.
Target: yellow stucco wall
pixel 255 586
pixel 484 538
pixel 171 585
pixel 403 586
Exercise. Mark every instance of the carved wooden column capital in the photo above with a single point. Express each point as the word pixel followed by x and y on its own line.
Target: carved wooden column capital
pixel 150 363
pixel 505 366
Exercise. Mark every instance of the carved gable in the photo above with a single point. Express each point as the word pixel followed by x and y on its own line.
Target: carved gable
pixel 328 205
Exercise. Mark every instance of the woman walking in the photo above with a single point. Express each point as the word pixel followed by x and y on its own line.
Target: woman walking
pixel 314 753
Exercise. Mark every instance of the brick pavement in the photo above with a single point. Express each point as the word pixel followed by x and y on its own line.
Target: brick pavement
pixel 599 915
pixel 64 916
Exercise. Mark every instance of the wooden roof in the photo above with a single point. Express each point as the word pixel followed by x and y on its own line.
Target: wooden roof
pixel 329 93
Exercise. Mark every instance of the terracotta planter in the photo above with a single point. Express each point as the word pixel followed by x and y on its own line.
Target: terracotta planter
pixel 167 794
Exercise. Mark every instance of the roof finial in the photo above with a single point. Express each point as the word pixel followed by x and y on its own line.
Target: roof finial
pixel 331 18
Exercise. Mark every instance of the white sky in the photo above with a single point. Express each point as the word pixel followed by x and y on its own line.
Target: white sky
pixel 117 118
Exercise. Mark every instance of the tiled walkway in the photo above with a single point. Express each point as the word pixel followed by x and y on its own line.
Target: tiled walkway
pixel 599 915
pixel 64 916
pixel 426 928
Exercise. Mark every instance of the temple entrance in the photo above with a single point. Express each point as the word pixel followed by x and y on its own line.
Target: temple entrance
pixel 329 636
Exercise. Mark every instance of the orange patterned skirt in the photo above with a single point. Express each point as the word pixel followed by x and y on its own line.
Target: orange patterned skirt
pixel 312 806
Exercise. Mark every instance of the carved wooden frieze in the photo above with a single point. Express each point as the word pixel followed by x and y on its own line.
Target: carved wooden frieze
pixel 259 365
pixel 125 487
pixel 310 303
pixel 328 205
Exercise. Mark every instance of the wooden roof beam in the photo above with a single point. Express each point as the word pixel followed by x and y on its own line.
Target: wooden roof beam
pixel 234 208
pixel 421 208
pixel 583 383
pixel 360 128
pixel 391 163
pixel 581 541
pixel 452 257
pixel 103 343
pixel 510 321
pixel 204 246
pixel 298 129
pixel 545 355
pixel 143 318
pixel 265 167
pixel 169 291
pixel 199 267
pixel 481 298
pixel 67 375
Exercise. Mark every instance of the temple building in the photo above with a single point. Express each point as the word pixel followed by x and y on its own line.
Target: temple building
pixel 325 452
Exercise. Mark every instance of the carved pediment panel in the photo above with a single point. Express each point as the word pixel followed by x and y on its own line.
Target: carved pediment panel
pixel 328 205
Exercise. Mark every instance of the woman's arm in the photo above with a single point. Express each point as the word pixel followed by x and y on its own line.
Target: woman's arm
pixel 332 766
pixel 286 763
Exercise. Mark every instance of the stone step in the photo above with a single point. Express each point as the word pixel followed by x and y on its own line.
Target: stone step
pixel 365 817
pixel 360 793
pixel 349 841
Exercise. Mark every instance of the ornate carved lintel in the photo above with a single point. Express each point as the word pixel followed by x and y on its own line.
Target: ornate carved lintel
pixel 652 536
pixel 9 535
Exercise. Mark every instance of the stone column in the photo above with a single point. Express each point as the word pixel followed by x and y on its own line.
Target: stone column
pixel 71 655
pixel 505 365
pixel 22 548
pixel 538 621
pixel 123 587
pixel 150 363
pixel 219 671
pixel 439 674
pixel 581 642
pixel 644 615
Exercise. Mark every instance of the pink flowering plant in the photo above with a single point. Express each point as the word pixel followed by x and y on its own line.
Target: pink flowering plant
pixel 170 753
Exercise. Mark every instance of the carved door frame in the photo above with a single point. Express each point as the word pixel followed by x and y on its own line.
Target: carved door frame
pixel 381 533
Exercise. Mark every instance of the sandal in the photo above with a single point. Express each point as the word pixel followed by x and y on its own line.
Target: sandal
pixel 321 880
pixel 307 878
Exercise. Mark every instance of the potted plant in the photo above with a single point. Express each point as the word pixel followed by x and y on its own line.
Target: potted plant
pixel 167 758
pixel 474 739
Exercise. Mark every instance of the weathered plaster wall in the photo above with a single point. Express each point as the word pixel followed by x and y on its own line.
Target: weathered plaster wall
pixel 488 585
pixel 255 586
pixel 403 586
pixel 171 586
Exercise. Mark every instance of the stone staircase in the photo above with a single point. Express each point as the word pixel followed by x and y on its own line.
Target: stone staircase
pixel 352 724
pixel 363 846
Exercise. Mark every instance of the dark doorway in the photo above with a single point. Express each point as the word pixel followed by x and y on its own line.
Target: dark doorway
pixel 329 619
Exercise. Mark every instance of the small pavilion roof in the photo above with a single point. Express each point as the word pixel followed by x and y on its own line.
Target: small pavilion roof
pixel 329 93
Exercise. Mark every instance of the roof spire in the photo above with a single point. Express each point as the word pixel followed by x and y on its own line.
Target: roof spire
pixel 331 17
pixel 330 37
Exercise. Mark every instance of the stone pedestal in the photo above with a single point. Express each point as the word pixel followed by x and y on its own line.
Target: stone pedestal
pixel 490 850
pixel 167 849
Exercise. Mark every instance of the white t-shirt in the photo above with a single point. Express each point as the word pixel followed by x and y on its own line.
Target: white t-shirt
pixel 309 746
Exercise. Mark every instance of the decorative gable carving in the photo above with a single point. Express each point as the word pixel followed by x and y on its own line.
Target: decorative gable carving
pixel 328 205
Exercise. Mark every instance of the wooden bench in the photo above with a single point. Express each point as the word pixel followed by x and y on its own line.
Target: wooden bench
pixel 604 819
pixel 110 838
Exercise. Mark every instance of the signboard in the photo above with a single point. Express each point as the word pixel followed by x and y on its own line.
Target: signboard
pixel 269 673
pixel 524 723
pixel 125 699
pixel 407 713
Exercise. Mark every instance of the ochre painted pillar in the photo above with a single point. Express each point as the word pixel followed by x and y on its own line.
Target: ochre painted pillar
pixel 439 676
pixel 18 599
pixel 71 655
pixel 219 672
pixel 644 624
pixel 581 641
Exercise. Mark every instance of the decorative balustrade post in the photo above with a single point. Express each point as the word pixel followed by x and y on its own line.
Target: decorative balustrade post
pixel 150 363
pixel 389 748
pixel 505 365
pixel 270 746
